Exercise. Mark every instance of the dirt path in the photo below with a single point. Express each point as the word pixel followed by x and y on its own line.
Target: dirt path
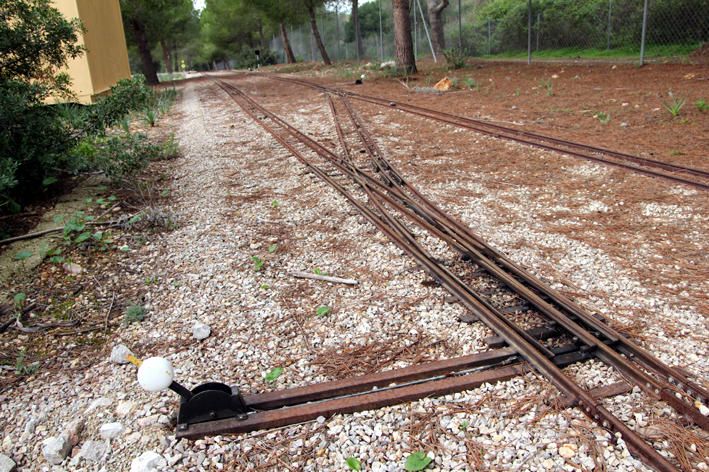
pixel 239 196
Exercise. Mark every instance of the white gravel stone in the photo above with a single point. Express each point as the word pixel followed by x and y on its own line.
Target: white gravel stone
pixel 119 354
pixel 93 451
pixel 55 449
pixel 200 330
pixel 148 461
pixel 7 464
pixel 111 430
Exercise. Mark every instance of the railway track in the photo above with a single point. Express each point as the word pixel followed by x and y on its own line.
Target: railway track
pixel 381 194
pixel 679 174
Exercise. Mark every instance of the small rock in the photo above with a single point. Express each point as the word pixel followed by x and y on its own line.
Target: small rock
pixel 73 431
pixel 111 430
pixel 567 451
pixel 93 451
pixel 119 354
pixel 548 464
pixel 124 408
pixel 98 403
pixel 7 464
pixel 624 125
pixel 148 461
pixel 73 268
pixel 201 331
pixel 55 449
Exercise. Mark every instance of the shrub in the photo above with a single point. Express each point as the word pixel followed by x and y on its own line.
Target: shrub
pixel 455 58
pixel 117 156
pixel 134 313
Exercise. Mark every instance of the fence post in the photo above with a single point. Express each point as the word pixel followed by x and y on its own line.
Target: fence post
pixel 539 26
pixel 489 38
pixel 425 28
pixel 337 31
pixel 642 36
pixel 416 39
pixel 381 35
pixel 608 40
pixel 460 28
pixel 529 31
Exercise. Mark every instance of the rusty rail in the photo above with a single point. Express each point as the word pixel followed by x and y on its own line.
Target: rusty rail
pixel 651 167
pixel 393 194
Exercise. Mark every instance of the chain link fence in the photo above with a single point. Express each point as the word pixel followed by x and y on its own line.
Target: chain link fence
pixel 544 29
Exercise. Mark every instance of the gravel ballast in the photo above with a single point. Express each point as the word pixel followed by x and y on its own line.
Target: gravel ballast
pixel 224 308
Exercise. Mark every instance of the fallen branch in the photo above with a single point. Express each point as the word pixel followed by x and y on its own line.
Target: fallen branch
pixel 61 228
pixel 324 278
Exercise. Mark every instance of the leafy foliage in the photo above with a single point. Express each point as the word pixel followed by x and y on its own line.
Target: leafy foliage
pixel 455 58
pixel 675 106
pixel 134 313
pixel 417 461
pixel 323 310
pixel 258 263
pixel 353 463
pixel 701 105
pixel 21 366
pixel 273 374
pixel 603 117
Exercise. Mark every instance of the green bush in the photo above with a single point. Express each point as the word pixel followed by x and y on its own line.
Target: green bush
pixel 246 59
pixel 455 58
pixel 116 155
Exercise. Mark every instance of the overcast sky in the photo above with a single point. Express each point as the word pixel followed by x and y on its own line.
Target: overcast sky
pixel 199 4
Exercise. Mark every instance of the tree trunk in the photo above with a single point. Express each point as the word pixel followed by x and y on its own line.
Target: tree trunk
pixel 261 38
pixel 151 74
pixel 435 18
pixel 166 57
pixel 357 30
pixel 316 35
pixel 402 36
pixel 290 57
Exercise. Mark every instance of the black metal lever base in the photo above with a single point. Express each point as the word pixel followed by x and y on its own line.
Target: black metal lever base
pixel 208 402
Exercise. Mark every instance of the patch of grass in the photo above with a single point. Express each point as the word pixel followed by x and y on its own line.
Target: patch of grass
pixel 603 117
pixel 463 426
pixel 666 50
pixel 150 117
pixel 275 203
pixel 701 105
pixel 471 83
pixel 258 263
pixel 675 106
pixel 21 366
pixel 272 248
pixel 548 87
pixel 134 313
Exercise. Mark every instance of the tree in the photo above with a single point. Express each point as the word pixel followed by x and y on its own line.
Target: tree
pixel 281 13
pixel 310 6
pixel 402 36
pixel 368 22
pixel 35 42
pixel 140 17
pixel 357 29
pixel 435 18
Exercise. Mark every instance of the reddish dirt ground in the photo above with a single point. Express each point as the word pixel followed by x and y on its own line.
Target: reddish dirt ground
pixel 514 94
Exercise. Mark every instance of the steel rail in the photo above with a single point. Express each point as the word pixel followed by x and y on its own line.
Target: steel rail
pixel 664 391
pixel 465 237
pixel 466 296
pixel 579 150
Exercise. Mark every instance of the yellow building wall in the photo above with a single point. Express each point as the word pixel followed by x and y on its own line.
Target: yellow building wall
pixel 106 58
